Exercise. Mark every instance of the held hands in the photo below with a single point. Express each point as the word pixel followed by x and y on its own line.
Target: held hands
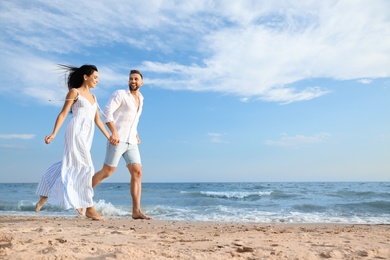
pixel 114 139
pixel 49 138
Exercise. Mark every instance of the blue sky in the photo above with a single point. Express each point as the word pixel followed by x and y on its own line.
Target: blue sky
pixel 234 90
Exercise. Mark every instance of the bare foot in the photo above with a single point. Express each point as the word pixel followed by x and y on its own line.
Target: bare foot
pixel 93 214
pixel 140 215
pixel 80 211
pixel 40 203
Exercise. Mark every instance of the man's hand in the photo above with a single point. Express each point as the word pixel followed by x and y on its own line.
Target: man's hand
pixel 114 139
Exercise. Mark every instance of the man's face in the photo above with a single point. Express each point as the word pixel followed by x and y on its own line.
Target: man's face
pixel 135 81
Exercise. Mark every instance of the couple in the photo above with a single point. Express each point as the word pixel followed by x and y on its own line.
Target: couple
pixel 70 182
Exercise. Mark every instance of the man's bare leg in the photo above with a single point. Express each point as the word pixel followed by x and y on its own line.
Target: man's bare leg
pixel 105 172
pixel 135 191
pixel 40 203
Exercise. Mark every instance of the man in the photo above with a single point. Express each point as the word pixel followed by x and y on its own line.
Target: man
pixel 122 114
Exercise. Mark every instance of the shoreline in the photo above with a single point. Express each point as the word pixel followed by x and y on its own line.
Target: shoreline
pixel 40 237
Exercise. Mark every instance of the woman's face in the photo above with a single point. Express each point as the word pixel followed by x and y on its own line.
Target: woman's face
pixel 92 80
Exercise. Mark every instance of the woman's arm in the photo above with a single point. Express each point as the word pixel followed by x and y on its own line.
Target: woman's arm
pixel 69 100
pixel 99 123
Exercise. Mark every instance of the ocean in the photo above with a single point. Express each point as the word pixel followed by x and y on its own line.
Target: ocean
pixel 272 202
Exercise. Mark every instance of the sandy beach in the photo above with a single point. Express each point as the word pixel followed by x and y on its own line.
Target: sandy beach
pixel 81 238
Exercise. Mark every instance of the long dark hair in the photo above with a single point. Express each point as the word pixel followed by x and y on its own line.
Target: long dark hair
pixel 75 75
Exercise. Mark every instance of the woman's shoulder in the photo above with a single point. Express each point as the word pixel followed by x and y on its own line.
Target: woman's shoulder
pixel 73 93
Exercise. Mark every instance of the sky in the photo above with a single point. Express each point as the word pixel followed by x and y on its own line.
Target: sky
pixel 235 91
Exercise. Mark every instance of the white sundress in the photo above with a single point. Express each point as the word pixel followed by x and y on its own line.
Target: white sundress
pixel 68 183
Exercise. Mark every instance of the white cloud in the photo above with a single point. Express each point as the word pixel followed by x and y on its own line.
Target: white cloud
pixel 12 147
pixel 216 138
pixel 17 136
pixel 244 99
pixel 252 49
pixel 297 140
pixel 266 49
pixel 365 81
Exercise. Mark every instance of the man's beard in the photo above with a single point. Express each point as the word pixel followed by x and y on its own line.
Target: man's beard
pixel 134 87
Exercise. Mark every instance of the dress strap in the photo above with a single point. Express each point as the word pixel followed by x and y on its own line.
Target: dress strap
pixel 101 111
pixel 78 94
pixel 76 98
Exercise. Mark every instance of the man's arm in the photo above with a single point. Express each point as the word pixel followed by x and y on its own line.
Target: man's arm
pixel 114 138
pixel 111 106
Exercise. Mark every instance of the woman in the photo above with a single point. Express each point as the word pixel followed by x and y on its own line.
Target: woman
pixel 68 183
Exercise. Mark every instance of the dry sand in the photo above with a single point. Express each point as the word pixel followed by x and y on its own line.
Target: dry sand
pixel 81 238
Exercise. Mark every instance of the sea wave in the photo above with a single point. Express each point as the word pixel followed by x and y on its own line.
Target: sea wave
pixel 235 194
pixel 366 203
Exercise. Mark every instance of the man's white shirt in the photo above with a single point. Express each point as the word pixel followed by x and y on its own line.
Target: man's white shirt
pixel 122 110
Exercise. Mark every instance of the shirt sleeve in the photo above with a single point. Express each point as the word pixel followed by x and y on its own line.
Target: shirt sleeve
pixel 111 106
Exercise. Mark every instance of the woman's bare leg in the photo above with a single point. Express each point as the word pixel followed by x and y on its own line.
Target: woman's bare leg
pixel 80 211
pixel 93 214
pixel 40 203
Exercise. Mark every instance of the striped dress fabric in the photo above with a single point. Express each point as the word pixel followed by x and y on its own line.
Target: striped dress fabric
pixel 68 183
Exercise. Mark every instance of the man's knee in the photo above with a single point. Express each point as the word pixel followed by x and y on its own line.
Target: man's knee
pixel 135 170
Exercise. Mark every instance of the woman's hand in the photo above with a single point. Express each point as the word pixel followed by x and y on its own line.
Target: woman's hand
pixel 49 138
pixel 114 139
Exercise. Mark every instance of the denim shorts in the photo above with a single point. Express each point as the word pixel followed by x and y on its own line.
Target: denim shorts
pixel 129 152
